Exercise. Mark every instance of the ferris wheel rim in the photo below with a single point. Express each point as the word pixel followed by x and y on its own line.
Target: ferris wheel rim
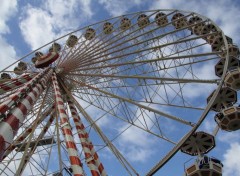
pixel 207 108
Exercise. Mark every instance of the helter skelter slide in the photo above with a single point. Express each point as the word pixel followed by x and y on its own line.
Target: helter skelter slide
pixel 144 72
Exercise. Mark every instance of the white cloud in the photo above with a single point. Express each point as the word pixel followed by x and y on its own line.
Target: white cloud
pixel 7 10
pixel 229 137
pixel 232 160
pixel 136 144
pixel 138 154
pixel 209 125
pixel 116 8
pixel 34 34
pixel 204 72
pixel 86 8
pixel 9 54
pixel 40 25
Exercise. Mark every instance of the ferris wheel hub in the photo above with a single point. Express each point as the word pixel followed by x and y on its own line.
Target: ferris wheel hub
pixel 199 143
pixel 59 70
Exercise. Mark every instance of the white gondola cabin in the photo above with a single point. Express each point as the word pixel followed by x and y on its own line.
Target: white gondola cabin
pixel 143 21
pixel 229 118
pixel 71 41
pixel 90 34
pixel 125 23
pixel 161 19
pixel 179 21
pixel 226 97
pixel 5 76
pixel 56 47
pixel 232 62
pixel 205 166
pixel 107 28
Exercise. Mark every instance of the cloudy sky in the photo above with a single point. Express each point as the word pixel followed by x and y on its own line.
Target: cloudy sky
pixel 26 25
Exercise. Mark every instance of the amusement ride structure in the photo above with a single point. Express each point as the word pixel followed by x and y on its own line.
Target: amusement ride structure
pixel 146 71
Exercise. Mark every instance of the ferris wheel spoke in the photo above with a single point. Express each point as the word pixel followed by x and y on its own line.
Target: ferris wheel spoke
pixel 126 86
pixel 128 40
pixel 148 98
pixel 136 62
pixel 153 61
pixel 162 59
pixel 33 144
pixel 96 45
pixel 139 105
pixel 145 84
pixel 94 61
pixel 130 46
pixel 128 120
pixel 173 105
pixel 115 151
pixel 162 104
pixel 190 63
pixel 178 80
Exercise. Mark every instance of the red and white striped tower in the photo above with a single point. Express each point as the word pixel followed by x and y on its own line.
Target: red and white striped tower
pixel 14 83
pixel 83 136
pixel 28 130
pixel 66 130
pixel 97 161
pixel 91 156
pixel 15 98
pixel 10 125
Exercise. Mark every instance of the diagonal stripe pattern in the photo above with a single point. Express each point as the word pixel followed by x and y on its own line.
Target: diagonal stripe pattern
pixel 28 130
pixel 10 125
pixel 14 83
pixel 15 98
pixel 66 130
pixel 91 155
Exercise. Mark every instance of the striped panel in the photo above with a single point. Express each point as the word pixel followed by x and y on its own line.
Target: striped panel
pixel 66 129
pixel 15 83
pixel 91 156
pixel 10 125
pixel 12 100
pixel 15 119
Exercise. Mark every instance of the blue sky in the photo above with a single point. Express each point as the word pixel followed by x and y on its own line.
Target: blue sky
pixel 27 25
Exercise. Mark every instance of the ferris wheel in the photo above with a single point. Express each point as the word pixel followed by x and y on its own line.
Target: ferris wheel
pixel 75 105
